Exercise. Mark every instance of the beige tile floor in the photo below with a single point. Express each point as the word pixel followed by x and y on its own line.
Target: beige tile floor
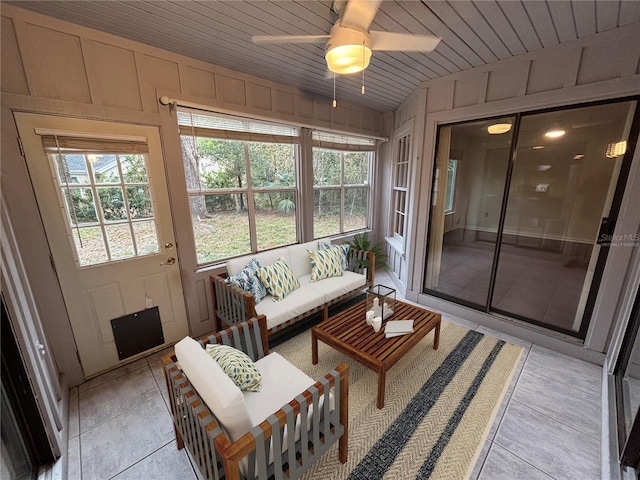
pixel 548 426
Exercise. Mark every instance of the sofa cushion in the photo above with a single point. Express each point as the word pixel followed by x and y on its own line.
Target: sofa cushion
pixel 333 287
pixel 247 280
pixel 234 265
pixel 218 392
pixel 298 258
pixel 282 381
pixel 296 303
pixel 278 279
pixel 345 252
pixel 237 365
pixel 326 263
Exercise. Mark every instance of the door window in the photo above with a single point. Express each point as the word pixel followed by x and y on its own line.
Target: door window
pixel 104 189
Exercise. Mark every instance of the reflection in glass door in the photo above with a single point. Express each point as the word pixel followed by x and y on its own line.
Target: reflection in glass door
pixel 534 254
pixel 467 206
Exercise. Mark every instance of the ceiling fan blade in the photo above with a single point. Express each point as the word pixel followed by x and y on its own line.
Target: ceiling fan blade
pixel 288 38
pixel 359 14
pixel 403 42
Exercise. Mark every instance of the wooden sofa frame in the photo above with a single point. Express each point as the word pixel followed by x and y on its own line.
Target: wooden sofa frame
pixel 211 449
pixel 232 305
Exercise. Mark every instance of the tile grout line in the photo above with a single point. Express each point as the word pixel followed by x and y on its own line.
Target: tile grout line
pixel 147 456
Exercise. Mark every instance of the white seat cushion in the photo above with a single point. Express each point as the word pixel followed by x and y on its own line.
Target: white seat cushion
pixel 217 390
pixel 333 287
pixel 281 382
pixel 295 303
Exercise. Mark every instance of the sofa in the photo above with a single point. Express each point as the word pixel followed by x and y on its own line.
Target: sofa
pixel 233 304
pixel 232 433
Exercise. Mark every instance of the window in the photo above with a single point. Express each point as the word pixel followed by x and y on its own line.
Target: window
pixel 341 178
pixel 400 186
pixel 104 188
pixel 450 193
pixel 241 180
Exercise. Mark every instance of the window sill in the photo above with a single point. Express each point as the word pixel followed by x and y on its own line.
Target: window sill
pixel 396 244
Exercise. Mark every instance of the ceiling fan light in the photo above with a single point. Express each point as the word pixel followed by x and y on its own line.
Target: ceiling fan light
pixel 555 133
pixel 348 50
pixel 345 59
pixel 498 128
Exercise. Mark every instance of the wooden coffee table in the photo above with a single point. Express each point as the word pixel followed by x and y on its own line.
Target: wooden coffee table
pixel 348 333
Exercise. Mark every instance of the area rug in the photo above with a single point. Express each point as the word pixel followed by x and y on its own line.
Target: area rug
pixel 439 406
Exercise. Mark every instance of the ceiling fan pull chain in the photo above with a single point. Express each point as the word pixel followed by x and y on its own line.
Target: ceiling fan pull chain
pixel 335 104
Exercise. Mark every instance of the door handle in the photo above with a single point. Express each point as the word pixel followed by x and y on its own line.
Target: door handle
pixel 168 246
pixel 170 261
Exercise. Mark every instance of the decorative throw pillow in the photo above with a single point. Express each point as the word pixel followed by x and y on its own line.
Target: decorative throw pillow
pixel 345 252
pixel 237 365
pixel 279 279
pixel 326 263
pixel 248 280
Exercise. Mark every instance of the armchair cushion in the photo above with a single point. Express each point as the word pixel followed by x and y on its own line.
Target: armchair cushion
pixel 282 381
pixel 279 279
pixel 215 388
pixel 237 365
pixel 326 263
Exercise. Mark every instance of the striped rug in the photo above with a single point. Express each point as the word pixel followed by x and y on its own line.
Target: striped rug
pixel 439 406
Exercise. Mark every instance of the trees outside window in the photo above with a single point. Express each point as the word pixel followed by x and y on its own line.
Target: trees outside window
pixel 341 191
pixel 245 189
pixel 242 195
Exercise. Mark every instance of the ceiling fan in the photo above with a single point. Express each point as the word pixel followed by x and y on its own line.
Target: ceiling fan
pixel 350 43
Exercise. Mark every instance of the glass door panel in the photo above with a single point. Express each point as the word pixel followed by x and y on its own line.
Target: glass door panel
pixel 562 184
pixel 470 177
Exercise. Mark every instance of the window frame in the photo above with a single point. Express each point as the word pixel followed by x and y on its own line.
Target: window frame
pixel 256 131
pixel 343 187
pixel 400 187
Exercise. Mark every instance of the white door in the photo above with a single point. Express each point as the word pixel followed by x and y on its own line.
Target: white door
pixel 102 194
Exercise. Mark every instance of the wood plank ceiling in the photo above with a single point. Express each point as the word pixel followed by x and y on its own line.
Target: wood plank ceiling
pixel 473 33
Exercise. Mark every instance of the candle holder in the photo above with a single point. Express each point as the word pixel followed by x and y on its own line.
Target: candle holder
pixel 381 301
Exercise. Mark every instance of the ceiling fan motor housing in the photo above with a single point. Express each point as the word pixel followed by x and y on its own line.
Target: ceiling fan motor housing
pixel 348 50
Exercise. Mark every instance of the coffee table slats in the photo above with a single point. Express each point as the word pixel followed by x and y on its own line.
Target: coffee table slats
pixel 347 332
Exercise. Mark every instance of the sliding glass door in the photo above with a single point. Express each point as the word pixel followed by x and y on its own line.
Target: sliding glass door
pixel 521 230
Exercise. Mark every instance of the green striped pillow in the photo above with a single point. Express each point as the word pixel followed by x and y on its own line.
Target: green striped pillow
pixel 279 279
pixel 237 365
pixel 326 263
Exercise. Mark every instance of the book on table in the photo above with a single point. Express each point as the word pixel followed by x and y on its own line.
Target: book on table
pixel 396 328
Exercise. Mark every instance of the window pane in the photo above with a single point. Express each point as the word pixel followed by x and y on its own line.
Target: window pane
pixel 146 237
pixel 220 226
pixel 84 209
pixel 120 242
pixel 72 169
pixel 90 245
pixel 105 168
pixel 326 212
pixel 139 199
pixel 356 168
pixel 355 208
pixel 134 168
pixel 112 203
pixel 272 164
pixel 275 219
pixel 212 163
pixel 327 168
